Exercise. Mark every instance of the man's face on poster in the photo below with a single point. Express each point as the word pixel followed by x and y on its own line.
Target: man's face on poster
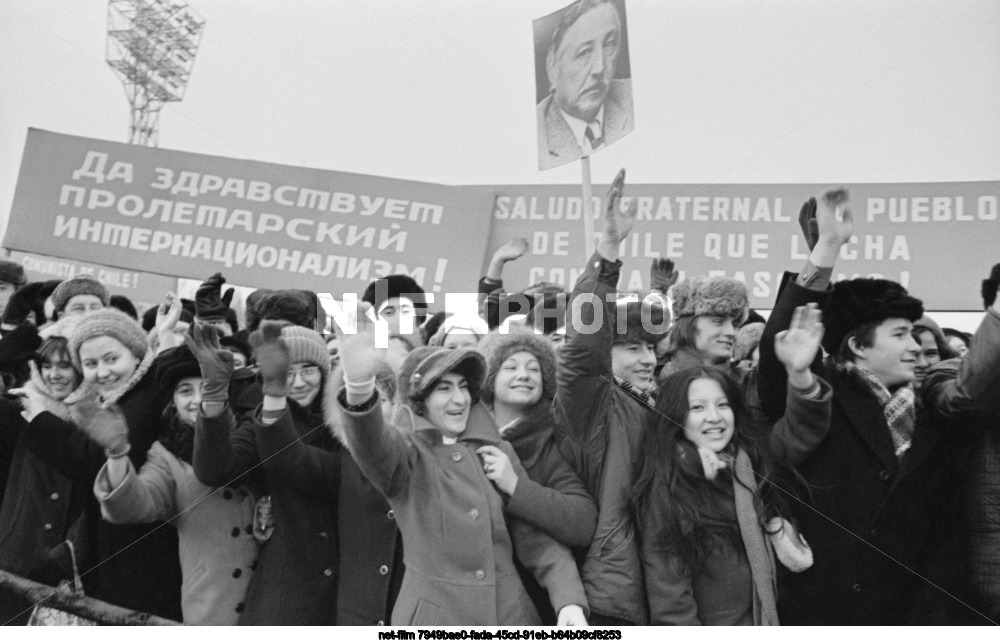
pixel 581 67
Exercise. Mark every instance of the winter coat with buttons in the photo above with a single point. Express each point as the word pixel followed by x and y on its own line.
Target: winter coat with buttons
pixel 296 578
pixel 216 565
pixel 457 548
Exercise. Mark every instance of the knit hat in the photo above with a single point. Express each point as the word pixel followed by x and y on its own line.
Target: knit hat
pixel 646 321
pixel 107 322
pixel 391 286
pixel 424 366
pixel 497 347
pixel 747 339
pixel 296 306
pixel 209 302
pixel 173 365
pixel 12 273
pixel 305 345
pixel 79 285
pixel 701 295
pixel 862 301
pixel 27 299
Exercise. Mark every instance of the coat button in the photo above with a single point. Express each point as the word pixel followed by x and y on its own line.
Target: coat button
pixel 235 532
pixel 856 587
pixel 480 574
pixel 54 496
pixel 237 573
pixel 48 526
pixel 253 565
pixel 324 535
pixel 873 533
pixel 884 475
pixel 383 570
pixel 328 572
pixel 380 623
pixel 456 457
pixel 226 494
pixel 249 528
pixel 391 514
pixel 239 607
pixel 474 513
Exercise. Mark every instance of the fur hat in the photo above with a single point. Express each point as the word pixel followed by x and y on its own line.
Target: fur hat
pixel 237 342
pixel 863 301
pixel 27 299
pixel 701 295
pixel 12 273
pixel 497 347
pixel 296 306
pixel 112 323
pixel 425 365
pixel 173 365
pixel 747 339
pixel 646 321
pixel 79 285
pixel 124 305
pixel 391 286
pixel 305 345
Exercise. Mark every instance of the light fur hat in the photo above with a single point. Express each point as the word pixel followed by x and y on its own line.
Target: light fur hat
pixel 79 285
pixel 702 295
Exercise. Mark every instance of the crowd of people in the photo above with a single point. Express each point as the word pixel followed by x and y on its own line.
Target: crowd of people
pixel 583 457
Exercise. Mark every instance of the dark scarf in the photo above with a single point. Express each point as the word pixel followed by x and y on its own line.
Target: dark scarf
pixel 176 436
pixel 645 398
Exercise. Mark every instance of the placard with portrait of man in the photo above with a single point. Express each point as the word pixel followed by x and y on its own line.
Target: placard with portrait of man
pixel 583 80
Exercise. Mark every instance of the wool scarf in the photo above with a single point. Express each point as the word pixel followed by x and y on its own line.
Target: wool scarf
pixel 899 408
pixel 759 554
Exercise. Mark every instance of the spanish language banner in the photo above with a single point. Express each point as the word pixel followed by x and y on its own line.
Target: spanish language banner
pixel 937 239
pixel 263 225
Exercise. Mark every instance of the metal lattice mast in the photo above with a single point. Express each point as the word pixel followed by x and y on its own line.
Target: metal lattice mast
pixel 151 47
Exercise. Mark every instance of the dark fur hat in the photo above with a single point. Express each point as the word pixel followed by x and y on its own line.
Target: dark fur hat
pixel 296 306
pixel 173 365
pixel 27 299
pixel 646 321
pixel 390 286
pixel 701 295
pixel 863 301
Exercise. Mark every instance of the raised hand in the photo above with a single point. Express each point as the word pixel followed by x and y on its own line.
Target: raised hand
pixel 168 315
pixel 991 287
pixel 273 358
pixel 796 347
pixel 216 363
pixel 498 468
pixel 514 249
pixel 662 275
pixel 834 221
pixel 360 355
pixel 618 222
pixel 106 427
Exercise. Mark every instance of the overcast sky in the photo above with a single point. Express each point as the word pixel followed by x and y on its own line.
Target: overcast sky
pixel 727 91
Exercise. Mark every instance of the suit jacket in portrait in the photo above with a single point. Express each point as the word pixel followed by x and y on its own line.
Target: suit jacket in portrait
pixel 556 143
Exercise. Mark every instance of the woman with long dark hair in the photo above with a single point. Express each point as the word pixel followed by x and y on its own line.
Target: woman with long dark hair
pixel 704 501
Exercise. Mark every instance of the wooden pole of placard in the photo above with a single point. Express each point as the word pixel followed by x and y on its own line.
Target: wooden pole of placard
pixel 588 208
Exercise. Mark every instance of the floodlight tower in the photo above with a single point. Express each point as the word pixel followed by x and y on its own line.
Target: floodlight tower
pixel 151 47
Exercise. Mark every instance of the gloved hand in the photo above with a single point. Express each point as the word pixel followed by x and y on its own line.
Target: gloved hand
pixel 990 287
pixel 662 275
pixel 273 358
pixel 106 427
pixel 807 222
pixel 216 363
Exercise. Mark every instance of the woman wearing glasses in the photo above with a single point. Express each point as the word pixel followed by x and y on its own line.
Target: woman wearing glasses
pixel 295 579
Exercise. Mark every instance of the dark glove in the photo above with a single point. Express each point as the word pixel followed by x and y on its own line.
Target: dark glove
pixel 990 287
pixel 208 302
pixel 807 222
pixel 662 275
pixel 273 358
pixel 216 363
pixel 18 346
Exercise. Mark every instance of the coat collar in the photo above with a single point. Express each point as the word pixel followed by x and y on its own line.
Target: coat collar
pixel 480 428
pixel 866 416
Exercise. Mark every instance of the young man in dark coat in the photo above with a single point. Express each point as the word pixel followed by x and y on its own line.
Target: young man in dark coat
pixel 879 478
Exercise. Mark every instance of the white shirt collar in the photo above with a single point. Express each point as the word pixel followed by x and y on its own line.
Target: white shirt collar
pixel 579 128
